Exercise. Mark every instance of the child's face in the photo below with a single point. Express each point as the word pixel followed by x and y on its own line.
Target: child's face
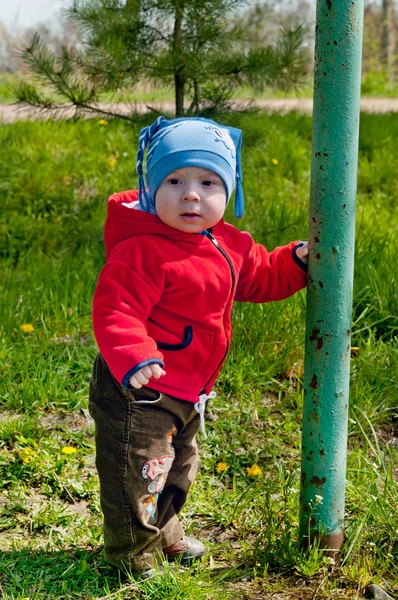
pixel 191 190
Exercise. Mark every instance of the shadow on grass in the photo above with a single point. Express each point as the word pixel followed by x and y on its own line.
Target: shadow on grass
pixel 57 574
pixel 74 573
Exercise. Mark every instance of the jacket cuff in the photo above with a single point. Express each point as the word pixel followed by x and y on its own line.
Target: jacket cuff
pixel 298 260
pixel 141 365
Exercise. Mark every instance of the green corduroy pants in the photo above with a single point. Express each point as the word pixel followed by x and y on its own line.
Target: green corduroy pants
pixel 146 459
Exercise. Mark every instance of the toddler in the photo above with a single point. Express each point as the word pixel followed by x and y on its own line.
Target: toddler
pixel 162 320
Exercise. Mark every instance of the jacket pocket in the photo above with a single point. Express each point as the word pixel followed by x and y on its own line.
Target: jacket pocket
pixel 185 342
pixel 188 361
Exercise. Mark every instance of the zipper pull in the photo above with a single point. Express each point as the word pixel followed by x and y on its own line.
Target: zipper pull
pixel 213 239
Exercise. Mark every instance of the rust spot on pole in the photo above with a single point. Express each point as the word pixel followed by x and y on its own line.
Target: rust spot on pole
pixel 331 544
pixel 318 482
pixel 320 284
pixel 315 337
pixel 314 382
pixel 329 3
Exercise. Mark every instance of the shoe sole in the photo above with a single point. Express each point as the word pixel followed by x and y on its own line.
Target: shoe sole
pixel 184 559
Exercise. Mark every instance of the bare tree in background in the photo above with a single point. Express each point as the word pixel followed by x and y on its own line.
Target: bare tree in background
pixel 389 39
pixel 54 35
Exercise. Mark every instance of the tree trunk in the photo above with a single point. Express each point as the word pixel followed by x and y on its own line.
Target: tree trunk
pixel 196 97
pixel 179 79
pixel 388 41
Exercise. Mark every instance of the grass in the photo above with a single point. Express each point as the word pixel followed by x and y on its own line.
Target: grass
pixel 55 178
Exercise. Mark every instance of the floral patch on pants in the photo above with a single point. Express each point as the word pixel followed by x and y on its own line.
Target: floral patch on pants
pixel 155 471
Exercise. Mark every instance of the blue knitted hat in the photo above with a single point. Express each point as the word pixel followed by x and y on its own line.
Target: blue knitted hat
pixel 189 142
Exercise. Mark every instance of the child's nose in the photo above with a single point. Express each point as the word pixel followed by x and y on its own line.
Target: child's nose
pixel 190 193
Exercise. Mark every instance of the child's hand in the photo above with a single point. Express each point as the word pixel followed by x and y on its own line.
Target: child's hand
pixel 302 252
pixel 144 375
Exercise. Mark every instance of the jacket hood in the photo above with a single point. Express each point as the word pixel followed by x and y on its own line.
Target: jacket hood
pixel 125 220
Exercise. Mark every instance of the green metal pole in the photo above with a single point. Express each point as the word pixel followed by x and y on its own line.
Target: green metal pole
pixel 338 48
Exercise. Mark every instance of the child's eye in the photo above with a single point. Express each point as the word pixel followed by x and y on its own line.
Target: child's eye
pixel 207 183
pixel 174 181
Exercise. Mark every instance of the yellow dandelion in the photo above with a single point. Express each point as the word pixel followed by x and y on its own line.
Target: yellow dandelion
pixel 222 466
pixel 274 160
pixel 26 455
pixel 113 163
pixel 69 450
pixel 254 471
pixel 102 122
pixel 27 328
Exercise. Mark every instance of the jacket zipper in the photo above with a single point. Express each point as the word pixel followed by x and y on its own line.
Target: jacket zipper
pixel 217 245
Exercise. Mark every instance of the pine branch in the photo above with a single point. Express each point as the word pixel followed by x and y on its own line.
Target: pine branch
pixel 28 94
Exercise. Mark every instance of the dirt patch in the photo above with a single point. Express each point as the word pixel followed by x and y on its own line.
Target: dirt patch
pixel 80 508
pixel 71 421
pixel 10 112
pixel 10 415
pixel 387 435
pixel 53 421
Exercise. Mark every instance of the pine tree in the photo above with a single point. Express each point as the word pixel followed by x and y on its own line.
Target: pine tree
pixel 192 45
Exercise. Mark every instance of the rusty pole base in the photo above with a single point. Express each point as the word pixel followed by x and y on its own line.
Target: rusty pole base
pixel 374 591
pixel 332 544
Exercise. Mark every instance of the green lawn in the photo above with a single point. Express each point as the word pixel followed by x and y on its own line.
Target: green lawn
pixel 55 179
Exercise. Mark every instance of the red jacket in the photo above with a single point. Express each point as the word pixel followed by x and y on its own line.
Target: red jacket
pixel 165 296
